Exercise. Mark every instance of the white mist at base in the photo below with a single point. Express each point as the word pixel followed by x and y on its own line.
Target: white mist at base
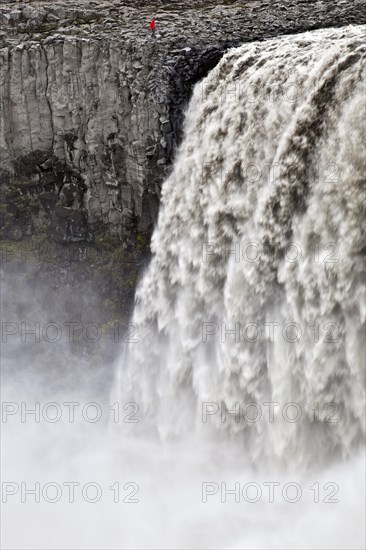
pixel 170 512
pixel 169 372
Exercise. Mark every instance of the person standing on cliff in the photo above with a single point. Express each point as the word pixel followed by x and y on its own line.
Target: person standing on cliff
pixel 152 27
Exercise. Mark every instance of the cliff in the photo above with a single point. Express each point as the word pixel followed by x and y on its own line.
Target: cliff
pixel 92 105
pixel 91 111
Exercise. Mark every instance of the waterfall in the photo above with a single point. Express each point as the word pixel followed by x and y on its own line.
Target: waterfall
pixel 261 233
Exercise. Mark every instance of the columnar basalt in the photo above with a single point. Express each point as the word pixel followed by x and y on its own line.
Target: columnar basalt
pixel 92 105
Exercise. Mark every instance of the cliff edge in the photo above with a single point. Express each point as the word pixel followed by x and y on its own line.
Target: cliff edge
pixel 92 105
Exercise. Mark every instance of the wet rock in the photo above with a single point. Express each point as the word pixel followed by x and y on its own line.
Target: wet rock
pixel 88 94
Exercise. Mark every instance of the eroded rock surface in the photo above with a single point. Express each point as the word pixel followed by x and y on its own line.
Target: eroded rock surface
pixel 92 105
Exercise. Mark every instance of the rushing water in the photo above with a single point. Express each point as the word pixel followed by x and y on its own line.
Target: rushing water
pixel 261 233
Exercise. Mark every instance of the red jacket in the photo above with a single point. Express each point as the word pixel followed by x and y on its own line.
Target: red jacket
pixel 152 25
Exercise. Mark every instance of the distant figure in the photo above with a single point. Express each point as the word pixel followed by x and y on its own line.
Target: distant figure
pixel 152 27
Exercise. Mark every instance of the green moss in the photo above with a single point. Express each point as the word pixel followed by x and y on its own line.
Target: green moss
pixel 19 181
pixel 105 271
pixel 142 242
pixel 9 250
pixel 20 198
pixel 80 282
pixel 30 251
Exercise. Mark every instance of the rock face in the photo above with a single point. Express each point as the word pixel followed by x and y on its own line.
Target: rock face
pixel 92 105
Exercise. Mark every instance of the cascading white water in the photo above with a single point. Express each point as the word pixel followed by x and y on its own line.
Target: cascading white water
pixel 274 154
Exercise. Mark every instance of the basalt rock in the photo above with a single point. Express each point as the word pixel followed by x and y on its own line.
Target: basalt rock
pixel 92 105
